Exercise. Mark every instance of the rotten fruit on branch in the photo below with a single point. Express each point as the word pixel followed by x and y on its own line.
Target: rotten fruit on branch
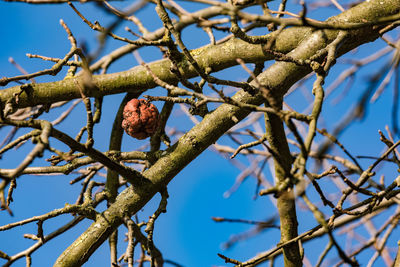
pixel 141 118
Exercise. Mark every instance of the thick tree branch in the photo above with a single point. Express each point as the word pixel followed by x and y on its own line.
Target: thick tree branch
pixel 286 200
pixel 138 79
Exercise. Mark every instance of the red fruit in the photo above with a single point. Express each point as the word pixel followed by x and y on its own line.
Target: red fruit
pixel 140 118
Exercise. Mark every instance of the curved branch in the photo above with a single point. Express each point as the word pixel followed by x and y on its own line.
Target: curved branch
pixel 138 79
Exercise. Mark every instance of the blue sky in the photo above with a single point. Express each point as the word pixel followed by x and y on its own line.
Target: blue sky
pixel 186 233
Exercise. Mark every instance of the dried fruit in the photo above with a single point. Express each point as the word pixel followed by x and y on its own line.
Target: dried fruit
pixel 141 118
